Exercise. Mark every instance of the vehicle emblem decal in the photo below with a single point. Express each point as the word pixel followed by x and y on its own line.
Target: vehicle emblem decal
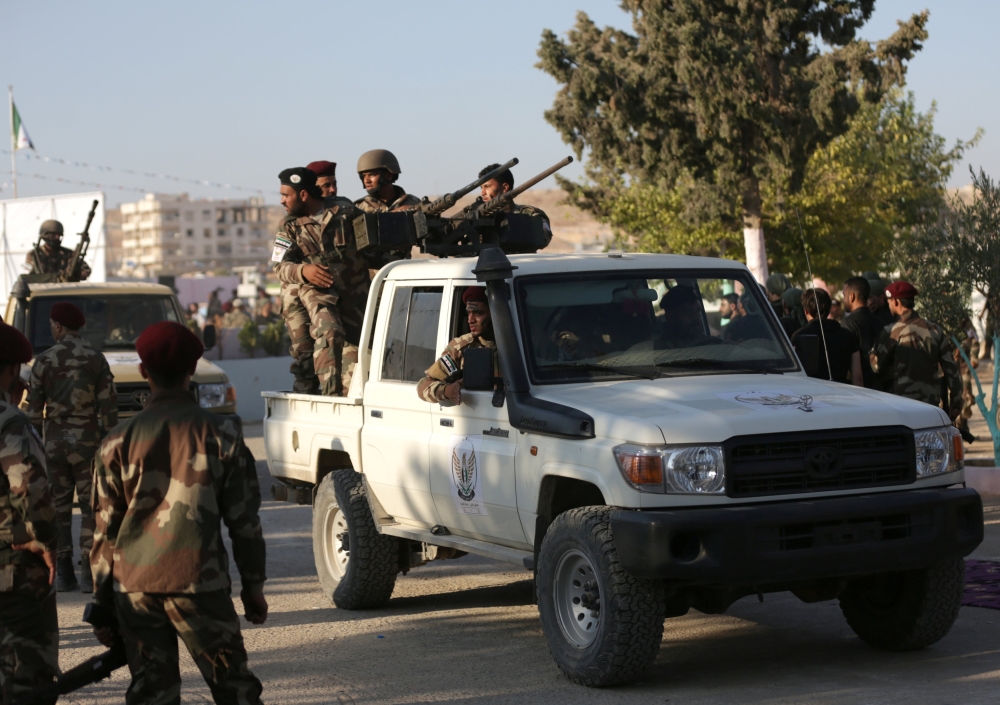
pixel 465 459
pixel 822 463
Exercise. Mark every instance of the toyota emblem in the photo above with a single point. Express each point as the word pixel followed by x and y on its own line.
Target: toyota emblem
pixel 141 397
pixel 823 463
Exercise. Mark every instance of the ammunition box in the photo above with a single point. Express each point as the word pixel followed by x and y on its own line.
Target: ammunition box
pixel 523 234
pixel 385 232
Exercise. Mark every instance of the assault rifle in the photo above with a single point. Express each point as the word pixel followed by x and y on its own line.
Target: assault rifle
pixel 450 199
pixel 90 671
pixel 465 234
pixel 75 266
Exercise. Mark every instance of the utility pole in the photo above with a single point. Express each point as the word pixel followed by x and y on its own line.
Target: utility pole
pixel 13 140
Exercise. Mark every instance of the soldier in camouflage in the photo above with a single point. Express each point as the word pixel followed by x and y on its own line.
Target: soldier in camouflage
pixel 503 183
pixel 315 256
pixel 165 480
pixel 443 380
pixel 72 403
pixel 51 257
pixel 970 345
pixel 326 176
pixel 29 626
pixel 378 170
pixel 908 353
pixel 238 317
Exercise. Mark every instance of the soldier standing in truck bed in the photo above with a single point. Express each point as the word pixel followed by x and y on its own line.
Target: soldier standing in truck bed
pixel 501 184
pixel 51 257
pixel 71 397
pixel 378 170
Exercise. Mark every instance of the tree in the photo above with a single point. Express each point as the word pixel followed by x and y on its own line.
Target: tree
pixel 724 99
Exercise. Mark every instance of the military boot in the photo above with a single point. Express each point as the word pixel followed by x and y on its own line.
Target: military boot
pixel 86 577
pixel 65 575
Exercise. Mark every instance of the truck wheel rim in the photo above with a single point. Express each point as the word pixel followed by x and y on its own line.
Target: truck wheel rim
pixel 336 532
pixel 577 599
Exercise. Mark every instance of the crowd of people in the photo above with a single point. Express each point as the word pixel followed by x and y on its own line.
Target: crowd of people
pixel 232 313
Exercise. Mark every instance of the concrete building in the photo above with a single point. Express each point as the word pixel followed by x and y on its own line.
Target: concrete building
pixel 172 234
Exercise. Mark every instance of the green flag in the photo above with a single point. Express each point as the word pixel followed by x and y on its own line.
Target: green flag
pixel 21 139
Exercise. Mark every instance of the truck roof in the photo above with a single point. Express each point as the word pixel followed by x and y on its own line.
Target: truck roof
pixel 88 288
pixel 461 267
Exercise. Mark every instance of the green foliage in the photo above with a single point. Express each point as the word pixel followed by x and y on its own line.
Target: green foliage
pixel 249 337
pixel 978 250
pixel 273 339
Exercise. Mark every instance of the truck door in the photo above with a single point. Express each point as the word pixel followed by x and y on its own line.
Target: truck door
pixel 397 426
pixel 472 457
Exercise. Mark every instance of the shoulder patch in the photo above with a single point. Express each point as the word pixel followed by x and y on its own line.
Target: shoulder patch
pixel 448 364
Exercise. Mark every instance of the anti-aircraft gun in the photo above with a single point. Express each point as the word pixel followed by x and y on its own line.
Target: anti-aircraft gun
pixel 479 225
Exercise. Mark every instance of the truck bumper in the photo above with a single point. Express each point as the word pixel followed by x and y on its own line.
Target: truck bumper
pixel 802 540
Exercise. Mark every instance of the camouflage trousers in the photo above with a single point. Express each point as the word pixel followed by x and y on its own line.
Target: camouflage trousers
pixel 29 635
pixel 334 358
pixel 968 397
pixel 71 469
pixel 208 625
pixel 301 348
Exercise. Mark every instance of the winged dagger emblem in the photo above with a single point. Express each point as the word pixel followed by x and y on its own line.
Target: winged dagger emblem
pixel 464 470
pixel 803 403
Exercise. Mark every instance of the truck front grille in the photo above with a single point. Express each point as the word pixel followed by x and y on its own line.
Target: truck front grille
pixel 132 396
pixel 786 463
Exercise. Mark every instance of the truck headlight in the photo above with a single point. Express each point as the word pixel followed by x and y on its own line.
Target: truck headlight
pixel 675 470
pixel 939 450
pixel 213 396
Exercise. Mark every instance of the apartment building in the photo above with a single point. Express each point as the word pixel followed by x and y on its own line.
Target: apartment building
pixel 172 234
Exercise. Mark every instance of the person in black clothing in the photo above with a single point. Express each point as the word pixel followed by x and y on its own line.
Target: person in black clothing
pixel 842 346
pixel 876 299
pixel 776 285
pixel 863 324
pixel 792 316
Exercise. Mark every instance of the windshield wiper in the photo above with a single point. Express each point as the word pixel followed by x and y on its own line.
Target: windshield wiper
pixel 721 364
pixel 601 368
pixel 123 344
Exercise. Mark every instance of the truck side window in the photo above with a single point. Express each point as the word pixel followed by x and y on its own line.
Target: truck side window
pixel 412 334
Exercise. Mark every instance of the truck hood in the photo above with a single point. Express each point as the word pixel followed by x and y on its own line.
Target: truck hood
pixel 124 366
pixel 713 408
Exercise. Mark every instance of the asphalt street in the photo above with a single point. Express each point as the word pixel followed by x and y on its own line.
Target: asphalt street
pixel 465 631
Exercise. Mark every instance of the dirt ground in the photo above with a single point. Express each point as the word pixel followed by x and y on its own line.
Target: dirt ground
pixel 466 631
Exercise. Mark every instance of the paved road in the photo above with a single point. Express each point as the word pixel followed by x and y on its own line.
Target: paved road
pixel 465 631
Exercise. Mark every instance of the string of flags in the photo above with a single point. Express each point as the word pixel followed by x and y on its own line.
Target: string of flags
pixel 5 185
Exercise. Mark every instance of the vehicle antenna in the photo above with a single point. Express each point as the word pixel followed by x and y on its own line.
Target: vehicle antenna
pixel 819 316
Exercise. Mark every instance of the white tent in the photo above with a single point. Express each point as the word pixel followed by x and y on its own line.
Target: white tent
pixel 20 219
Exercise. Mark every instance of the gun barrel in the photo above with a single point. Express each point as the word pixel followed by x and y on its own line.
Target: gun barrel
pixel 90 217
pixel 448 200
pixel 501 201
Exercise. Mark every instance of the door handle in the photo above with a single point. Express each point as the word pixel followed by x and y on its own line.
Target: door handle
pixel 448 422
pixel 376 414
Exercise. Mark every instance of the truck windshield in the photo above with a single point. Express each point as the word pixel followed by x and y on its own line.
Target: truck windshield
pixel 113 322
pixel 589 326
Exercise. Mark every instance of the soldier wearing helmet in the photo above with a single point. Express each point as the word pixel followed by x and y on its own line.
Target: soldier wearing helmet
pixel 50 257
pixel 378 171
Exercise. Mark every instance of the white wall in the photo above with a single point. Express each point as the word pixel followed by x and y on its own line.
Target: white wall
pixel 251 377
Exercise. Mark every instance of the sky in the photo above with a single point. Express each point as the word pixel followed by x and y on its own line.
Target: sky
pixel 234 92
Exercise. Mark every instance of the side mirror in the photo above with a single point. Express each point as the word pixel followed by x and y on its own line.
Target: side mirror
pixel 478 370
pixel 208 336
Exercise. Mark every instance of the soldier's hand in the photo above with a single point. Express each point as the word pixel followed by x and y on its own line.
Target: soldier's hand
pixel 48 556
pixel 453 392
pixel 318 274
pixel 105 635
pixel 255 606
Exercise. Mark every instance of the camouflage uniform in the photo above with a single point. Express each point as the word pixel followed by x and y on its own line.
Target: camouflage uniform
pixel 370 204
pixel 29 627
pixel 971 347
pixel 906 357
pixel 334 315
pixel 447 367
pixel 236 318
pixel 164 480
pixel 71 386
pixel 537 213
pixel 55 263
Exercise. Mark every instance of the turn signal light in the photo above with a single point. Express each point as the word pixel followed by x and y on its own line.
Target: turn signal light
pixel 958 450
pixel 230 394
pixel 642 469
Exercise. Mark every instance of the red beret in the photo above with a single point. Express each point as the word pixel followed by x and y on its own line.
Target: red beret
pixel 68 315
pixel 14 347
pixel 169 348
pixel 323 168
pixel 900 290
pixel 474 293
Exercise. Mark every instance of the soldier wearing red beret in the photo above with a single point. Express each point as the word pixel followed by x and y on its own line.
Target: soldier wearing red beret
pixel 443 380
pixel 908 353
pixel 29 625
pixel 326 176
pixel 72 402
pixel 165 480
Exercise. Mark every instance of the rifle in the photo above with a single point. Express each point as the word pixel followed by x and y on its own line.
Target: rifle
pixel 450 199
pixel 73 269
pixel 90 671
pixel 481 209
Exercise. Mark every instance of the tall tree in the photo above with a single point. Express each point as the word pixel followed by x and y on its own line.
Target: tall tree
pixel 728 97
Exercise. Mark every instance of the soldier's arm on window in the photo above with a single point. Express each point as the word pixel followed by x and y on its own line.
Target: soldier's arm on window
pixel 239 503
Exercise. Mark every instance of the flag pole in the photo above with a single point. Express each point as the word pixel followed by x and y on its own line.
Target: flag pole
pixel 13 141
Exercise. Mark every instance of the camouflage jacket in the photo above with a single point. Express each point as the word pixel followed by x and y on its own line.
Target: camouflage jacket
pixel 326 239
pixel 26 509
pixel 72 384
pixel 447 368
pixel 163 481
pixel 906 357
pixel 54 264
pixel 236 319
pixel 370 204
pixel 537 213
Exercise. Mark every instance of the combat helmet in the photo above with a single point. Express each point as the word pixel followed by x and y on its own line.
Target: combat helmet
pixel 51 230
pixel 378 159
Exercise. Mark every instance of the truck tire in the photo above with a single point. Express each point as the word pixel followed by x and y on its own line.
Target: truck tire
pixel 361 573
pixel 907 610
pixel 603 626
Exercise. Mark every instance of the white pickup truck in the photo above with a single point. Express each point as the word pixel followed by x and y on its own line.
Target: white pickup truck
pixel 640 462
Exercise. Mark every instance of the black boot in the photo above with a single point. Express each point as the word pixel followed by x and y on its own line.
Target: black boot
pixel 966 434
pixel 65 575
pixel 86 577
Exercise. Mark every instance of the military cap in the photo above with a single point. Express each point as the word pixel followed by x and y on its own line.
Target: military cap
pixel 169 348
pixel 299 178
pixel 777 284
pixel 876 282
pixel 792 297
pixel 14 347
pixel 68 314
pixel 901 290
pixel 323 168
pixel 474 299
pixel 51 227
